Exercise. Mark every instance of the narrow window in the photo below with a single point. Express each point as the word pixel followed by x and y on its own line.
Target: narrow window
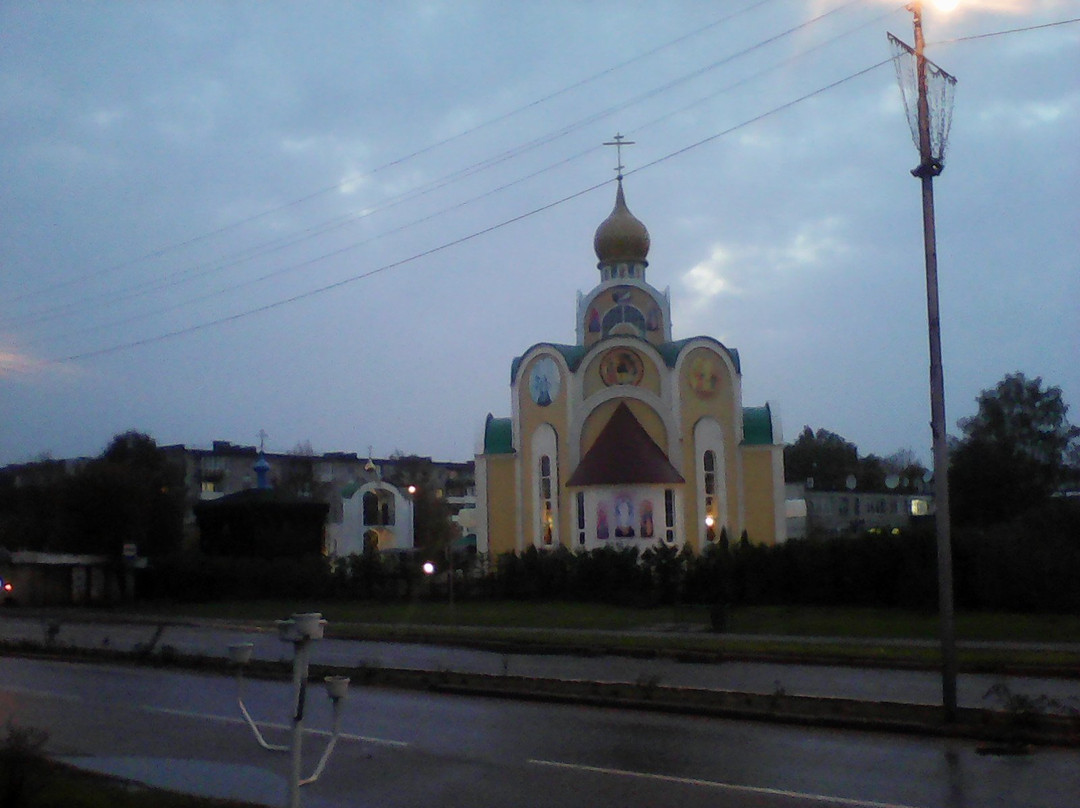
pixel 546 505
pixel 581 517
pixel 708 464
pixel 669 514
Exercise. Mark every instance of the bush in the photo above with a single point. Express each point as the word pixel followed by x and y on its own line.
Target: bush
pixel 1031 564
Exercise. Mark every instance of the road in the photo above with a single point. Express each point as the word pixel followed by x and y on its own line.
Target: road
pixel 408 749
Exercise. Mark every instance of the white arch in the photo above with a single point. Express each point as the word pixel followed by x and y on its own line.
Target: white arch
pixel 709 437
pixel 545 443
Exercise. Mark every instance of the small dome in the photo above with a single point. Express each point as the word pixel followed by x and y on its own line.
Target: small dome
pixel 621 237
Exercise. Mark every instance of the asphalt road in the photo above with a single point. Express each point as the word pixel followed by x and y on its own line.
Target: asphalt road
pixel 408 749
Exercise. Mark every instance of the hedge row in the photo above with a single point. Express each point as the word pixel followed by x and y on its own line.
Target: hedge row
pixel 1032 564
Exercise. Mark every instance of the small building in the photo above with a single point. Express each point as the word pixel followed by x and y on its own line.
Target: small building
pixel 814 512
pixel 260 523
pixel 375 516
pixel 33 578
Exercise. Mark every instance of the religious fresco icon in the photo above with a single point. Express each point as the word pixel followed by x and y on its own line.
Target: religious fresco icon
pixel 653 318
pixel 704 380
pixel 621 366
pixel 624 516
pixel 602 530
pixel 594 321
pixel 544 381
pixel 646 519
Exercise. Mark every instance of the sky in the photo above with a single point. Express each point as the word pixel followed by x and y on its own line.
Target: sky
pixel 339 222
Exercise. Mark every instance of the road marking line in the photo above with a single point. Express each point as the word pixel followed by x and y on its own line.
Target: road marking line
pixel 43 694
pixel 228 719
pixel 693 781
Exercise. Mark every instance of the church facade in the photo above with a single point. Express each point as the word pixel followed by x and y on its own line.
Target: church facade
pixel 628 437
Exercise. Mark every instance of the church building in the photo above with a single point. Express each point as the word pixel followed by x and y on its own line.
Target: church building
pixel 628 438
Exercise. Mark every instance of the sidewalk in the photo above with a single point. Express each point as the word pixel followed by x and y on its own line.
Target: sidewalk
pixel 212 638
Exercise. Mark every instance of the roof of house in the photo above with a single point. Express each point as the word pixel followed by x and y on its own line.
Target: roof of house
pixel 624 454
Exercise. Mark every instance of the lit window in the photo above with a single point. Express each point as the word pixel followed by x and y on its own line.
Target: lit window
pixel 708 464
pixel 547 507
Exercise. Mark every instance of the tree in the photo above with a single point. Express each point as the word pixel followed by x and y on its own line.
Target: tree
pixel 907 467
pixel 434 529
pixel 131 494
pixel 1015 452
pixel 823 456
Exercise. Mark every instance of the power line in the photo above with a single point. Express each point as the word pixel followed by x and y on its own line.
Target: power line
pixel 160 251
pixel 1003 33
pixel 461 240
pixel 112 298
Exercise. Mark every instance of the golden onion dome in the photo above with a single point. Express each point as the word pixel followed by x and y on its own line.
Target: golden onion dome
pixel 621 237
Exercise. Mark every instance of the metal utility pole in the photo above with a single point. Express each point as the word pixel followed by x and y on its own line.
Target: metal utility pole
pixel 929 167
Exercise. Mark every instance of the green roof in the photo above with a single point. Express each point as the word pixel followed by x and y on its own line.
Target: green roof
pixel 669 351
pixel 757 426
pixel 573 354
pixel 498 435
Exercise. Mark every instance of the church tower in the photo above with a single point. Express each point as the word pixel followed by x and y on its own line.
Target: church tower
pixel 628 437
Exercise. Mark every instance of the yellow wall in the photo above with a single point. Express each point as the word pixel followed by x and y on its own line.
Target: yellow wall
pixel 501 503
pixel 704 369
pixel 760 494
pixel 532 417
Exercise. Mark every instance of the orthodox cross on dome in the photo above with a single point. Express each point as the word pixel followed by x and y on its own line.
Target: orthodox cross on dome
pixel 618 142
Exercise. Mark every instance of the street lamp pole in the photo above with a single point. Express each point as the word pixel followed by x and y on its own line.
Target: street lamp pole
pixel 929 167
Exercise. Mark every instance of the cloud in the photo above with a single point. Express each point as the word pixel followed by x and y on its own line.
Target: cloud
pixel 12 363
pixel 735 269
pixel 1030 115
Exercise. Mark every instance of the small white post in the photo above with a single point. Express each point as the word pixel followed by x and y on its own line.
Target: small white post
pixel 300 630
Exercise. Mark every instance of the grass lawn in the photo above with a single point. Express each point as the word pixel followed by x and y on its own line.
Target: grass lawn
pixel 791 622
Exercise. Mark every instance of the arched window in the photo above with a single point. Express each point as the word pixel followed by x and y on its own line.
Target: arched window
pixel 624 313
pixel 708 463
pixel 378 508
pixel 547 510
pixel 371 508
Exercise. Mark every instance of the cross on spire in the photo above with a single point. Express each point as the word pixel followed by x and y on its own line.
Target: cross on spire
pixel 618 142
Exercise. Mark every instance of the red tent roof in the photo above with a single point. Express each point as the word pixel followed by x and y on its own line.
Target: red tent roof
pixel 624 454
